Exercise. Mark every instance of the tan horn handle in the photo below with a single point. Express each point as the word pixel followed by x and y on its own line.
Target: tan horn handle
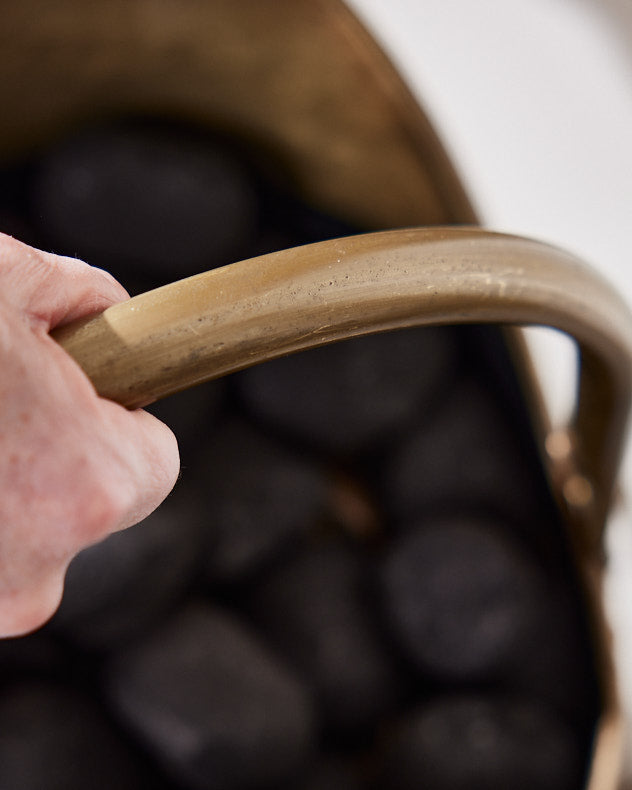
pixel 227 319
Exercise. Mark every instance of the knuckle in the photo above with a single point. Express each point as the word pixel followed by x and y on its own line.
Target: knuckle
pixel 99 510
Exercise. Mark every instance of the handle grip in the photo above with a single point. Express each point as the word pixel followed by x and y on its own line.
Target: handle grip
pixel 227 319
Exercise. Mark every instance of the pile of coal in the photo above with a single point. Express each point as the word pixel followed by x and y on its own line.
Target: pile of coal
pixel 361 581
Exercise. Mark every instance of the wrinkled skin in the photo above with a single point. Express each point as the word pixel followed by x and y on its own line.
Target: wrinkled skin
pixel 73 467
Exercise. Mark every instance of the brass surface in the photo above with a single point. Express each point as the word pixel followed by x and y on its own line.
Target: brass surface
pixel 300 80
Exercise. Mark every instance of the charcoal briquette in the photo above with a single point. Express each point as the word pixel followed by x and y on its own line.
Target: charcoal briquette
pixel 217 709
pixel 316 612
pixel 466 456
pixel 460 599
pixel 54 737
pixel 141 195
pixel 116 589
pixel 346 397
pixel 481 743
pixel 261 496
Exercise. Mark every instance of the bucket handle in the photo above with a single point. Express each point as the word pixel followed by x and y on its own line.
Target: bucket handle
pixel 224 320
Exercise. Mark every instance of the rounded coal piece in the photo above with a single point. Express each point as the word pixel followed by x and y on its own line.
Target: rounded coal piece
pixel 145 195
pixel 467 455
pixel 120 587
pixel 460 599
pixel 346 397
pixel 262 498
pixel 216 709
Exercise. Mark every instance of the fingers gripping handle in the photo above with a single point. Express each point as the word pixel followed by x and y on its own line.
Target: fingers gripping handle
pixel 227 319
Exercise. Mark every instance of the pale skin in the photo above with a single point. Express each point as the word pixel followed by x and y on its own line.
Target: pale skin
pixel 74 467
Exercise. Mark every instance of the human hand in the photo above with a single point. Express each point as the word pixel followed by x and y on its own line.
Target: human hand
pixel 73 467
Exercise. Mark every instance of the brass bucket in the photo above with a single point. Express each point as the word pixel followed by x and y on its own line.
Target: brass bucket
pixel 361 149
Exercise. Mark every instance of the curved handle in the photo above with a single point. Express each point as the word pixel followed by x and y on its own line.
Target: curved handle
pixel 227 319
